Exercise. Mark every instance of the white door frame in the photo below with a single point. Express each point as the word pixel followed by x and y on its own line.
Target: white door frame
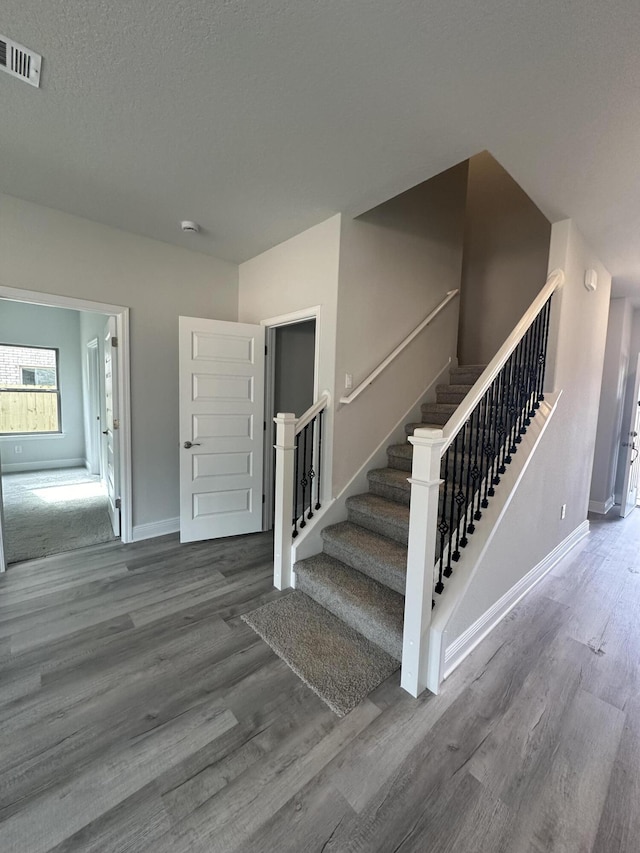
pixel 94 457
pixel 271 325
pixel 121 313
pixel 632 453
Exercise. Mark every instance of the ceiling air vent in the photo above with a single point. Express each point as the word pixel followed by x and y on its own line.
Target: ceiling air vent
pixel 19 61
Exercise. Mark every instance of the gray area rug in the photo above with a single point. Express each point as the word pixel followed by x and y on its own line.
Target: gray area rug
pixel 336 662
pixel 48 512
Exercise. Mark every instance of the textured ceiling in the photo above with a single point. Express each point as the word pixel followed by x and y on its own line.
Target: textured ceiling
pixel 259 119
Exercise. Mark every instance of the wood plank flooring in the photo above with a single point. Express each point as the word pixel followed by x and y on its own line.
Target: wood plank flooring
pixel 139 713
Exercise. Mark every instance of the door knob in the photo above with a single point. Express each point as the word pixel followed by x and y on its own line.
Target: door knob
pixel 105 432
pixel 189 444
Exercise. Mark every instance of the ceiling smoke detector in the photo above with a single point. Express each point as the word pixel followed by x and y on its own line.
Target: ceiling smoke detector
pixel 19 61
pixel 189 227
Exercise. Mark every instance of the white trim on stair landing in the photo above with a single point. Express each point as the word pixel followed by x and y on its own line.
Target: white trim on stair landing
pixel 469 639
pixel 600 507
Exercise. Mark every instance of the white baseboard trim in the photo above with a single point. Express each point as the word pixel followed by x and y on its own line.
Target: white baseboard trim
pixel 155 528
pixel 47 465
pixel 470 638
pixel 600 507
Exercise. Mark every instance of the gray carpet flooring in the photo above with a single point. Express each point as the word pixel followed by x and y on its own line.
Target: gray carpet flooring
pixel 48 512
pixel 340 665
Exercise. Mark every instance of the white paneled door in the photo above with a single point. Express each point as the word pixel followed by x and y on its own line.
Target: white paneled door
pixel 221 428
pixel 110 434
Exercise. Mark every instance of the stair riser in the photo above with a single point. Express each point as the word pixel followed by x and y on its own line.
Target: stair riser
pixel 400 463
pixel 379 525
pixel 439 418
pixel 450 396
pixel 390 642
pixel 401 495
pixel 462 377
pixel 362 563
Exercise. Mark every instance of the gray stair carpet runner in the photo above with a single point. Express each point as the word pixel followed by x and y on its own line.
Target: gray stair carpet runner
pixel 359 578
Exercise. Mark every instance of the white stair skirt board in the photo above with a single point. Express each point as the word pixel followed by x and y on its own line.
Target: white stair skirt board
pixel 602 508
pixel 155 528
pixel 469 639
pixel 47 465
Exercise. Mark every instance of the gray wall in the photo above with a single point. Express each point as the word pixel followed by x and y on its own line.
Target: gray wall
pixel 506 248
pixel 36 325
pixel 560 473
pixel 294 367
pixel 49 251
pixel 397 262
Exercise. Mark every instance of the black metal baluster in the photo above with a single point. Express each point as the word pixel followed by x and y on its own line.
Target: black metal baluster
pixel 535 367
pixel 295 492
pixel 452 503
pixel 519 419
pixel 500 429
pixel 468 463
pixel 485 446
pixel 476 473
pixel 443 527
pixel 319 477
pixel 526 420
pixel 492 439
pixel 303 481
pixel 530 374
pixel 460 496
pixel 510 409
pixel 312 472
pixel 545 341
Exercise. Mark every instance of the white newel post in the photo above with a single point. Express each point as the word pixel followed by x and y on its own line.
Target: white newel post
pixel 425 486
pixel 285 446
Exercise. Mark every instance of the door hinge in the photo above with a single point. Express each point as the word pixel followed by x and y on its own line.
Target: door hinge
pixel 114 341
pixel 265 350
pixel 264 426
pixel 116 423
pixel 118 503
pixel 263 498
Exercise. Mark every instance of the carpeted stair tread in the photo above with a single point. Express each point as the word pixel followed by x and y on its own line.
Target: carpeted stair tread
pixel 336 662
pixel 388 518
pixel 373 554
pixel 370 608
pixel 400 456
pixel 390 483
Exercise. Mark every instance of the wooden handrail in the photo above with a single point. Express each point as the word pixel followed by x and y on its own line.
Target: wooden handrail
pixel 462 414
pixel 396 352
pixel 321 403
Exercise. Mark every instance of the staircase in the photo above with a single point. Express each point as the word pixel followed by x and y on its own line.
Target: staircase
pixel 360 575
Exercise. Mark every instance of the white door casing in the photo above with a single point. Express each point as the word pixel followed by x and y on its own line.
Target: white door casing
pixel 632 446
pixel 110 432
pixel 221 428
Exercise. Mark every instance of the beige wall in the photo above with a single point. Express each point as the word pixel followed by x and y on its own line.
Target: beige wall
pixel 298 274
pixel 560 472
pixel 45 250
pixel 506 248
pixel 396 264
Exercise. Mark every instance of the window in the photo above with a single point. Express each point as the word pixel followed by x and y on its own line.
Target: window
pixel 29 392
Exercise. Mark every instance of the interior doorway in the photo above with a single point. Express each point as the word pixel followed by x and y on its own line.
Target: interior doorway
pixel 69 451
pixel 291 383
